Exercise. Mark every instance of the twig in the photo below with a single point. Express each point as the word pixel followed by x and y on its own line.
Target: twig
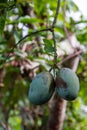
pixel 74 63
pixel 55 48
pixel 32 33
pixel 70 57
pixel 53 34
pixel 55 52
pixel 35 67
pixel 56 15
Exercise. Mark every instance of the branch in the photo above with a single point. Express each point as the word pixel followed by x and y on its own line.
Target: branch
pixel 32 33
pixel 55 47
pixel 28 35
pixel 70 57
pixel 53 34
pixel 57 12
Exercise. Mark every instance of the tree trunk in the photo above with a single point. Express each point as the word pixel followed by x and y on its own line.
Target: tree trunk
pixel 57 114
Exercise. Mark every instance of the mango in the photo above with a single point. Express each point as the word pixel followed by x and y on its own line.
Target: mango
pixel 67 84
pixel 41 88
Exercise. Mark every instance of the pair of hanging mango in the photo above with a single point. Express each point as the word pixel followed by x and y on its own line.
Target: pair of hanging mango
pixel 42 87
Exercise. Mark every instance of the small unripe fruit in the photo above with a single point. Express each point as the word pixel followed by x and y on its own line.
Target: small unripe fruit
pixel 41 88
pixel 67 84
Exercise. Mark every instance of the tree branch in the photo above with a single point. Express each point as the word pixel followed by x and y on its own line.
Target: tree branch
pixel 32 33
pixel 56 15
pixel 28 35
pixel 53 34
pixel 70 57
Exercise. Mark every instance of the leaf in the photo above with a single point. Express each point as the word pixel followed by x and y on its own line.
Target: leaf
pixel 48 46
pixel 24 20
pixel 27 19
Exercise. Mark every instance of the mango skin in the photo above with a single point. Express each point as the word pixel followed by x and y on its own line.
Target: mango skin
pixel 67 84
pixel 41 88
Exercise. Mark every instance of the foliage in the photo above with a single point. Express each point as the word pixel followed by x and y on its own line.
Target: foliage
pixel 19 57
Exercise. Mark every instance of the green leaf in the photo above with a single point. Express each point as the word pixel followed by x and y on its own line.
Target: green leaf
pixel 24 20
pixel 48 46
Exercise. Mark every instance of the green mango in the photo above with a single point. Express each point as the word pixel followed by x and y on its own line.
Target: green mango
pixel 41 88
pixel 67 84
